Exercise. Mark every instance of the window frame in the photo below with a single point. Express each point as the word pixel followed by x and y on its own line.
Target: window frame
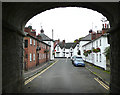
pixel 30 41
pixel 30 57
pixel 34 57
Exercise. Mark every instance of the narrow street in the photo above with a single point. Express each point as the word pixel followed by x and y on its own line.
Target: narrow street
pixel 63 77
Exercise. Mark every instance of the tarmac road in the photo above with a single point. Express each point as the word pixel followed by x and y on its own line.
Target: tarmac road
pixel 64 77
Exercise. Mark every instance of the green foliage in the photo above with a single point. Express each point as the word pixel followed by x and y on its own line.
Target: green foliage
pixel 75 41
pixel 107 52
pixel 96 50
pixel 46 51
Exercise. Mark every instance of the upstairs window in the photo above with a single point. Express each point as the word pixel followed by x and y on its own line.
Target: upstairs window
pixel 34 42
pixel 100 42
pixel 26 43
pixel 96 43
pixel 57 48
pixel 30 41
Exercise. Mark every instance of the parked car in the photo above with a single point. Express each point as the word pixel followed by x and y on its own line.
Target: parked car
pixel 73 57
pixel 78 61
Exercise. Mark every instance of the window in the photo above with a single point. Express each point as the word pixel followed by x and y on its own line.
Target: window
pixel 96 43
pixel 34 42
pixel 100 42
pixel 26 55
pixel 30 41
pixel 57 48
pixel 30 57
pixel 26 43
pixel 64 54
pixel 48 43
pixel 39 56
pixel 100 57
pixel 97 57
pixel 34 57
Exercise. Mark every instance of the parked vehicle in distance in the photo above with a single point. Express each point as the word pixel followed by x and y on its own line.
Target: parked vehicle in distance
pixel 78 61
pixel 73 57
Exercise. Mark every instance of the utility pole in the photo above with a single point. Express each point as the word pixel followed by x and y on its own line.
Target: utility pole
pixel 52 33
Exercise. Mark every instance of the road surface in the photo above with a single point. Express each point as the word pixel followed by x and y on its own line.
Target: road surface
pixel 64 77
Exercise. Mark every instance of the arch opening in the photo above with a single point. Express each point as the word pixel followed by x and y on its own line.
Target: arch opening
pixel 89 58
pixel 28 10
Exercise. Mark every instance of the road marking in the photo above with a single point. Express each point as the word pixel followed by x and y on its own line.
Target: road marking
pixel 30 79
pixel 101 83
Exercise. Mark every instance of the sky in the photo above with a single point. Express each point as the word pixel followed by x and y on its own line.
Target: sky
pixel 68 23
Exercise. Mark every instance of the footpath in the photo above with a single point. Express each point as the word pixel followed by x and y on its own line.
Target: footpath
pixel 37 69
pixel 103 75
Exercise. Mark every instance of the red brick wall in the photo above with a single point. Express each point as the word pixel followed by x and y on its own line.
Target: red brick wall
pixel 42 58
pixel 42 55
pixel 31 49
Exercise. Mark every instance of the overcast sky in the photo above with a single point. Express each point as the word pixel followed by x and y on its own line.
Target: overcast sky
pixel 68 23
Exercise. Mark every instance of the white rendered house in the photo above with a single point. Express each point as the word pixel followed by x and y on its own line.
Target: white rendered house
pixel 66 50
pixel 96 58
pixel 82 42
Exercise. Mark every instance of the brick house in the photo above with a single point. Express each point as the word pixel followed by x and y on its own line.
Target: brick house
pixel 34 49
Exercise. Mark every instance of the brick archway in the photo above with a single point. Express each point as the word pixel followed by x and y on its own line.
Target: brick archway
pixel 14 18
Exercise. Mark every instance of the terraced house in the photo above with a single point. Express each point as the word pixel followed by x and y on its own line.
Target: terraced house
pixel 36 52
pixel 93 51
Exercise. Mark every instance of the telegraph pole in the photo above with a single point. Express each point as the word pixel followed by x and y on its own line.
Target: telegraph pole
pixel 52 33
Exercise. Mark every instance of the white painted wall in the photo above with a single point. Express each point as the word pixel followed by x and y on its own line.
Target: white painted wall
pixel 67 52
pixel 81 43
pixel 99 58
pixel 51 43
pixel 58 49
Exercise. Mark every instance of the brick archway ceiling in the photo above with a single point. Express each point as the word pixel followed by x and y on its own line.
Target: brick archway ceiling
pixel 17 14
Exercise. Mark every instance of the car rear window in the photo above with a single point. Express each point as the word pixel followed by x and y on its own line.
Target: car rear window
pixel 79 57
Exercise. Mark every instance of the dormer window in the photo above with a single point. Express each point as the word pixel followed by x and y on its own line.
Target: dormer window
pixel 57 48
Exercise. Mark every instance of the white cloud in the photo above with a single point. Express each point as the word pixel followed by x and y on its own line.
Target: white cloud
pixel 68 23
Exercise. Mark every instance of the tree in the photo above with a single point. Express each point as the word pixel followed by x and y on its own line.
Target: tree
pixel 107 53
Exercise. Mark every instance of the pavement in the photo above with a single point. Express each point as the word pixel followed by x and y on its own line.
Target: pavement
pixel 100 73
pixel 37 69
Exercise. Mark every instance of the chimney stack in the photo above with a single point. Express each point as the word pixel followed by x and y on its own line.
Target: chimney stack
pixel 33 32
pixel 63 42
pixel 90 31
